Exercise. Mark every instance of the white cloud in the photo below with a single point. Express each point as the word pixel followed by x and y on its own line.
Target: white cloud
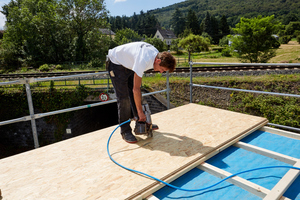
pixel 116 1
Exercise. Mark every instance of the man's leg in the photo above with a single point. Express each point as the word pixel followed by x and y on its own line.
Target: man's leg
pixel 130 90
pixel 119 77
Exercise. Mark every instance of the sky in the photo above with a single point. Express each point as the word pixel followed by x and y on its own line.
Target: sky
pixel 118 7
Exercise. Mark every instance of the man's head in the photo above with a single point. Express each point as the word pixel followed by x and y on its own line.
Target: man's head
pixel 164 61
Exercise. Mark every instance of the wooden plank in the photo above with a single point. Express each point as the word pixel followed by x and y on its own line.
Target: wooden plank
pixel 268 153
pixel 238 181
pixel 152 198
pixel 79 168
pixel 281 132
pixel 279 189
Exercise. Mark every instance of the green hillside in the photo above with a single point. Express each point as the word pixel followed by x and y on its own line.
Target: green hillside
pixel 232 9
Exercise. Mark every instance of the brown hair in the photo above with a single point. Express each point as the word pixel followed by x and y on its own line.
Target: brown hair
pixel 167 60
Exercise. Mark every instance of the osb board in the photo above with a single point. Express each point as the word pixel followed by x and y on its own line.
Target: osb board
pixel 79 168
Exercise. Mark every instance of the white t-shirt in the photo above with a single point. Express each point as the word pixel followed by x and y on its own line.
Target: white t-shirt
pixel 137 56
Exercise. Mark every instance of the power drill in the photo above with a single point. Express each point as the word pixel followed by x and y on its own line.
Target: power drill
pixel 144 128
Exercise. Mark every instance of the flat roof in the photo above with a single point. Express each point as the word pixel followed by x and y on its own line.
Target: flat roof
pixel 79 168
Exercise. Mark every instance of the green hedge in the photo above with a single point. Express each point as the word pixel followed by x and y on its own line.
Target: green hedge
pixel 15 105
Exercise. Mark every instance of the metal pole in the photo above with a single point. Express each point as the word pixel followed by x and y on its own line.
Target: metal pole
pixel 107 84
pixel 191 82
pixel 251 91
pixel 286 127
pixel 31 111
pixel 168 91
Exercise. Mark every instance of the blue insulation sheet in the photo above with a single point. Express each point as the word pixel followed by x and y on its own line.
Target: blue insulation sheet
pixel 235 160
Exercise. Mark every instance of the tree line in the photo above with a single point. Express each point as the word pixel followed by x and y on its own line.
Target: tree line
pixel 147 24
pixel 283 10
pixel 143 24
pixel 50 31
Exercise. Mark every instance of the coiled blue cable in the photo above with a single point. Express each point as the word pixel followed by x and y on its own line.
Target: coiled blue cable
pixel 178 188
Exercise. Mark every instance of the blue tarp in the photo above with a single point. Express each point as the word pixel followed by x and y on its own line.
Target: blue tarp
pixel 235 160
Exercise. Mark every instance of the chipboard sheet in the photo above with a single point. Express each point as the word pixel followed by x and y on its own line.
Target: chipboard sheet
pixel 79 168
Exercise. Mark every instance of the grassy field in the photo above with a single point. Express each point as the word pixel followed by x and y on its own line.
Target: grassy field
pixel 287 53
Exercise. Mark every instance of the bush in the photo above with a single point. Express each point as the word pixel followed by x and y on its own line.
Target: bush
pixel 276 44
pixel 285 39
pixel 278 110
pixel 224 41
pixel 83 66
pixel 226 52
pixel 44 68
pixel 218 49
pixel 58 67
pixel 298 39
pixel 297 33
pixel 95 63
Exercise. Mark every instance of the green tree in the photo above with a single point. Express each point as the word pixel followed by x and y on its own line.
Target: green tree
pixel 126 35
pixel 185 33
pixel 298 39
pixel 215 34
pixel 151 24
pixel 291 28
pixel 82 16
pixel 158 43
pixel 32 34
pixel 207 26
pixel 192 22
pixel 193 42
pixel 177 22
pixel 47 31
pixel 224 41
pixel 97 45
pixel 134 20
pixel 175 45
pixel 254 42
pixel 140 27
pixel 291 17
pixel 224 27
pixel 118 23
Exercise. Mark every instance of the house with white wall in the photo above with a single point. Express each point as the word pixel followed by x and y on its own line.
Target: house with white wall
pixel 165 35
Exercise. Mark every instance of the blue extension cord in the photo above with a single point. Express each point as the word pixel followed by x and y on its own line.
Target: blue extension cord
pixel 189 190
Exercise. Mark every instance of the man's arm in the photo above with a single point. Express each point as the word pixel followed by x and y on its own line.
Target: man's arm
pixel 137 94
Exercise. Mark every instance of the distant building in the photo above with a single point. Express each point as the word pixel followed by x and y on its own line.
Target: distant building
pixel 165 35
pixel 108 32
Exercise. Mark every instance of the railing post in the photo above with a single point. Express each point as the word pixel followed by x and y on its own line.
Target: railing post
pixel 168 91
pixel 31 111
pixel 108 83
pixel 191 81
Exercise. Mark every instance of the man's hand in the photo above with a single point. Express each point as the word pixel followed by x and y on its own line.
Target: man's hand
pixel 142 117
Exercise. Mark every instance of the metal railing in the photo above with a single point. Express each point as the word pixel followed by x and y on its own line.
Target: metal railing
pixel 242 90
pixel 34 116
pixel 101 82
